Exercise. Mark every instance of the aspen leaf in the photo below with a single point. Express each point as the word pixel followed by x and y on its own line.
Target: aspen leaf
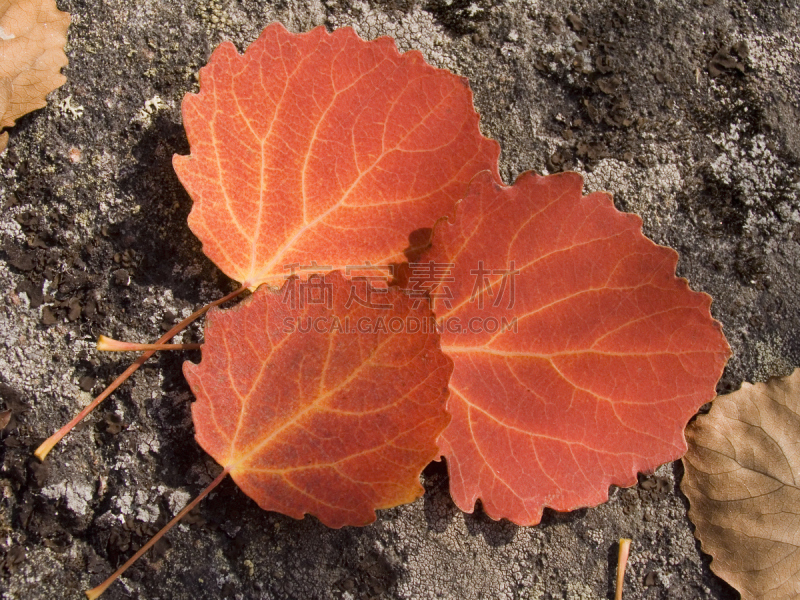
pixel 741 477
pixel 579 356
pixel 320 409
pixel 322 148
pixel 315 400
pixel 32 38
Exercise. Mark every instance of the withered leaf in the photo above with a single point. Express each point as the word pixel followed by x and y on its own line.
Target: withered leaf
pixel 742 474
pixel 32 38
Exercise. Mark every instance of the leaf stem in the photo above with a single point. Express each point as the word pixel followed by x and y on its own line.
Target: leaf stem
pixel 42 451
pixel 107 344
pixel 95 592
pixel 622 561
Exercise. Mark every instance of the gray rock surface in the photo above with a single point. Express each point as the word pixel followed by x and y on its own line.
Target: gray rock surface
pixel 686 109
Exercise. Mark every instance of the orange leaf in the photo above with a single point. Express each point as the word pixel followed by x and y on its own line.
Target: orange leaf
pixel 311 418
pixel 324 148
pixel 604 357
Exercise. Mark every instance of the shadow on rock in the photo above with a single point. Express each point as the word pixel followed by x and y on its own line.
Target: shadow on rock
pixel 156 242
pixel 495 533
pixel 439 508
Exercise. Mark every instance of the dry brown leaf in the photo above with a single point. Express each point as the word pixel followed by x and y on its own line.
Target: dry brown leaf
pixel 742 473
pixel 32 38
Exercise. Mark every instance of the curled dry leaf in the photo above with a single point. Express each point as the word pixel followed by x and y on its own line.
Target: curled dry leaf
pixel 322 148
pixel 32 38
pixel 742 474
pixel 579 355
pixel 322 409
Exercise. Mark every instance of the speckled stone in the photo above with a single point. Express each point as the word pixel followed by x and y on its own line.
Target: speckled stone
pixel 686 110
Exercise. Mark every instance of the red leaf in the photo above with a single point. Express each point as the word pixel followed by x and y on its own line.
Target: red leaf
pixel 326 148
pixel 611 356
pixel 328 422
